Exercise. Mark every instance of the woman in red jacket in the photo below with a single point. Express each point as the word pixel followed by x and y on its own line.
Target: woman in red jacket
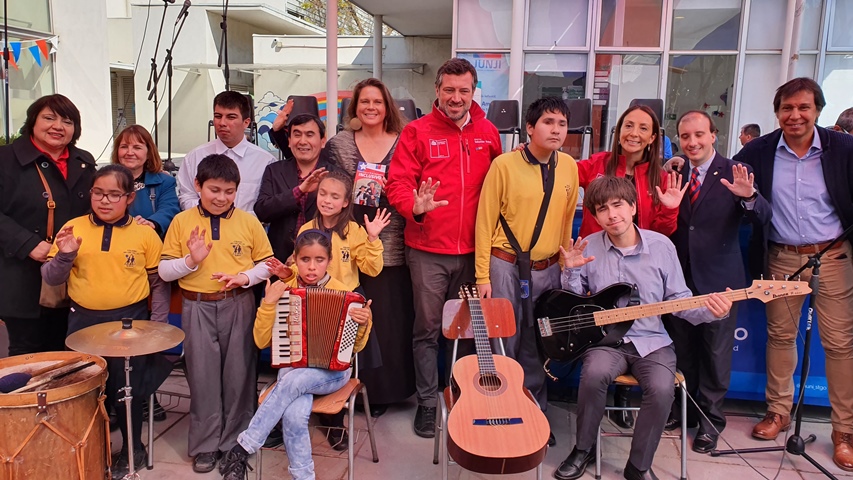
pixel 636 145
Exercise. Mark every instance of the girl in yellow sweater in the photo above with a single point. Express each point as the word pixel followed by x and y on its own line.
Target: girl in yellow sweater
pixel 292 396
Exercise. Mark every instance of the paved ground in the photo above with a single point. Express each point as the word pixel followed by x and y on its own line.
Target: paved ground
pixel 406 456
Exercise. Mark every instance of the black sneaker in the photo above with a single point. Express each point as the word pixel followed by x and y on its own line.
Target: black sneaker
pixel 275 438
pixel 338 439
pixel 121 465
pixel 235 463
pixel 205 462
pixel 425 422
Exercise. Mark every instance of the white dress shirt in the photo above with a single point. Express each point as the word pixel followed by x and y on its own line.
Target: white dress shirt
pixel 251 159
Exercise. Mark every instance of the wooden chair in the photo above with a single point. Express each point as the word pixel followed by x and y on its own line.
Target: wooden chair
pixel 456 325
pixel 629 380
pixel 334 403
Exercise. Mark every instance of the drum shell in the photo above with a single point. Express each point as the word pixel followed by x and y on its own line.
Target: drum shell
pixel 32 444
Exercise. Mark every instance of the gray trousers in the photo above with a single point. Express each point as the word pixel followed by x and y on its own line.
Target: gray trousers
pixel 435 279
pixel 221 362
pixel 522 346
pixel 654 372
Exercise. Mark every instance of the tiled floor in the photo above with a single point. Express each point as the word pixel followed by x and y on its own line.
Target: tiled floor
pixel 405 456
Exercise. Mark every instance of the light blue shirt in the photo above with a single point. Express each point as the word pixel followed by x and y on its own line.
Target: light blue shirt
pixel 802 209
pixel 702 169
pixel 653 266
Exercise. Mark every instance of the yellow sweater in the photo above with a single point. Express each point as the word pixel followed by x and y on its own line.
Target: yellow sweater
pixel 513 187
pixel 351 255
pixel 262 330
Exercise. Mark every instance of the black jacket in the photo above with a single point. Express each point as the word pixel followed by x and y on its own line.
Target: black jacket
pixel 23 217
pixel 836 162
pixel 277 206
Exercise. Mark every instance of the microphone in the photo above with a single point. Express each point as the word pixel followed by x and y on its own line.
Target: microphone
pixel 184 11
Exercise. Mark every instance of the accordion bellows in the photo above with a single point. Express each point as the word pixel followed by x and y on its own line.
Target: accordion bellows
pixel 313 328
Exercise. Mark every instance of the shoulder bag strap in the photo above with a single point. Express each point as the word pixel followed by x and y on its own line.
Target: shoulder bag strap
pixel 152 195
pixel 51 206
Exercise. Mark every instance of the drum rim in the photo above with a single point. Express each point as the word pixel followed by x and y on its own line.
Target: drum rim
pixel 55 395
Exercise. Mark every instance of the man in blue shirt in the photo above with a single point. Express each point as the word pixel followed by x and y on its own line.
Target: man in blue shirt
pixel 625 253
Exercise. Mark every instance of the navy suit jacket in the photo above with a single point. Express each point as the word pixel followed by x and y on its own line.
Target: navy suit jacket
pixel 836 162
pixel 707 237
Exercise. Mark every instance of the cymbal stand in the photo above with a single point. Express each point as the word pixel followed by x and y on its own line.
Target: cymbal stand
pixel 128 397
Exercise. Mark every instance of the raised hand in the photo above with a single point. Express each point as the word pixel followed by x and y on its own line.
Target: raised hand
pixel 198 249
pixel 425 198
pixel 312 181
pixel 673 195
pixel 743 182
pixel 362 315
pixel 279 269
pixel 231 281
pixel 379 222
pixel 573 257
pixel 283 114
pixel 66 242
pixel 274 291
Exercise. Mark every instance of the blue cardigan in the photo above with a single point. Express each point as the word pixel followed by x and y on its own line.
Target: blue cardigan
pixel 158 201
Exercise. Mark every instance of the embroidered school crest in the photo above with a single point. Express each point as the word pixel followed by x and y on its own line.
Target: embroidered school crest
pixel 345 255
pixel 237 249
pixel 130 258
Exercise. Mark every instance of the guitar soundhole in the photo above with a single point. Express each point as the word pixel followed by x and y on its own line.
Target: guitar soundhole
pixel 490 382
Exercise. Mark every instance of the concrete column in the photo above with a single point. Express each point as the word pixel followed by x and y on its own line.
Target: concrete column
pixel 331 68
pixel 377 46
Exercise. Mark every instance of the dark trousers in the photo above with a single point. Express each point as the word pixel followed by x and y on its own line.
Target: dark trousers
pixel 436 278
pixel 704 356
pixel 34 335
pixel 654 373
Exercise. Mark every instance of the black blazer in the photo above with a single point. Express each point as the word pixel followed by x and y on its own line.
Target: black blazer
pixel 277 206
pixel 23 217
pixel 836 162
pixel 707 237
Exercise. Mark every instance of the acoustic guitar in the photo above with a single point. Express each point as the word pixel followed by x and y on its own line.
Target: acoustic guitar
pixel 494 426
pixel 569 324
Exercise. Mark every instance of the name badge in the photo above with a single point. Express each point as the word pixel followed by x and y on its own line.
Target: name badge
pixel 525 288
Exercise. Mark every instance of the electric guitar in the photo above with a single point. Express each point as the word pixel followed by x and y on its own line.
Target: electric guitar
pixel 493 427
pixel 569 324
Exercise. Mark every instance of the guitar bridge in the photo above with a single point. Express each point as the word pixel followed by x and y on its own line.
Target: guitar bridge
pixel 486 422
pixel 544 326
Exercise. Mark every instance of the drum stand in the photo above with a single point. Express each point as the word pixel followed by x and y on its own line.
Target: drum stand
pixel 128 397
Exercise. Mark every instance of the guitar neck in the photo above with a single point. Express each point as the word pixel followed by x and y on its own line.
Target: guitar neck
pixel 625 314
pixel 481 336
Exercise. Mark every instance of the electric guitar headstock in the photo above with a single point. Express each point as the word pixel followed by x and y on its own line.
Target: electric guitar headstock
pixel 769 290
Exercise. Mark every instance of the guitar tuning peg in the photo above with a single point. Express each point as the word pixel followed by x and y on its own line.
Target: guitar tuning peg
pixel 773 277
pixel 762 277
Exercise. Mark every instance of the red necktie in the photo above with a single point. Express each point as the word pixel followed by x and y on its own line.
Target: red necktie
pixel 693 188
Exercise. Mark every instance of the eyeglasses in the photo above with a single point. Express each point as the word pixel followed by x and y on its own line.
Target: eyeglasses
pixel 98 195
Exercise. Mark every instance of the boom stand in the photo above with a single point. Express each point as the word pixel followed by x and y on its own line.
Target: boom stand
pixel 168 164
pixel 128 397
pixel 154 78
pixel 223 47
pixel 796 444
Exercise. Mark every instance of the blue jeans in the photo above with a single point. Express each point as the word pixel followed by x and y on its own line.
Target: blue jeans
pixel 291 400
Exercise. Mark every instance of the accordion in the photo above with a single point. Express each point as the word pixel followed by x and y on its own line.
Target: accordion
pixel 313 328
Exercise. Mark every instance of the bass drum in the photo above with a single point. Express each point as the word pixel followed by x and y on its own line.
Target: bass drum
pixel 57 431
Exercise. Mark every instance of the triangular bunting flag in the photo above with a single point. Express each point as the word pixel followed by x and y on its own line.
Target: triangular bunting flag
pixel 35 51
pixel 53 41
pixel 42 44
pixel 12 61
pixel 16 50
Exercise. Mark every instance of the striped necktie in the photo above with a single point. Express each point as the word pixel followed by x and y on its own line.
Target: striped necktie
pixel 693 188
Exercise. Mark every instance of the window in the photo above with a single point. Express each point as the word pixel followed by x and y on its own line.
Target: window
pixel 492 76
pixel 484 24
pixel 554 75
pixel 706 25
pixel 841 35
pixel 557 23
pixel 27 83
pixel 838 76
pixel 630 23
pixel 29 15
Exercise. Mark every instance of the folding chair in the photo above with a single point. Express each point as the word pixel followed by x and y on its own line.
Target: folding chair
pixel 407 108
pixel 332 404
pixel 580 120
pixel 456 325
pixel 629 380
pixel 504 115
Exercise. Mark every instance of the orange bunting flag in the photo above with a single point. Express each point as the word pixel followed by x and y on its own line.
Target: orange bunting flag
pixel 43 47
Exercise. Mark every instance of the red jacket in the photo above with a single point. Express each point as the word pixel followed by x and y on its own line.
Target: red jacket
pixel 649 216
pixel 434 146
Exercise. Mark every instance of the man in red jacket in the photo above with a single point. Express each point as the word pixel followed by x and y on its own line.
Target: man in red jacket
pixel 443 155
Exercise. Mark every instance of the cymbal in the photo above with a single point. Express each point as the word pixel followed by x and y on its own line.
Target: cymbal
pixel 125 338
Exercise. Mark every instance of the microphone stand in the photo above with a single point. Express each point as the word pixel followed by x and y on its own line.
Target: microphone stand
pixel 153 77
pixel 796 444
pixel 168 164
pixel 223 47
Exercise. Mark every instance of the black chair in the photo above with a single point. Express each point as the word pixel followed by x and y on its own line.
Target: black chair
pixel 407 108
pixel 580 119
pixel 504 114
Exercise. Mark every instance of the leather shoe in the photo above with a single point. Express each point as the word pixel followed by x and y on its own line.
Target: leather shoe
pixel 769 427
pixel 632 473
pixel 205 462
pixel 378 409
pixel 552 441
pixel 425 422
pixel 704 442
pixel 575 464
pixel 623 418
pixel 843 455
